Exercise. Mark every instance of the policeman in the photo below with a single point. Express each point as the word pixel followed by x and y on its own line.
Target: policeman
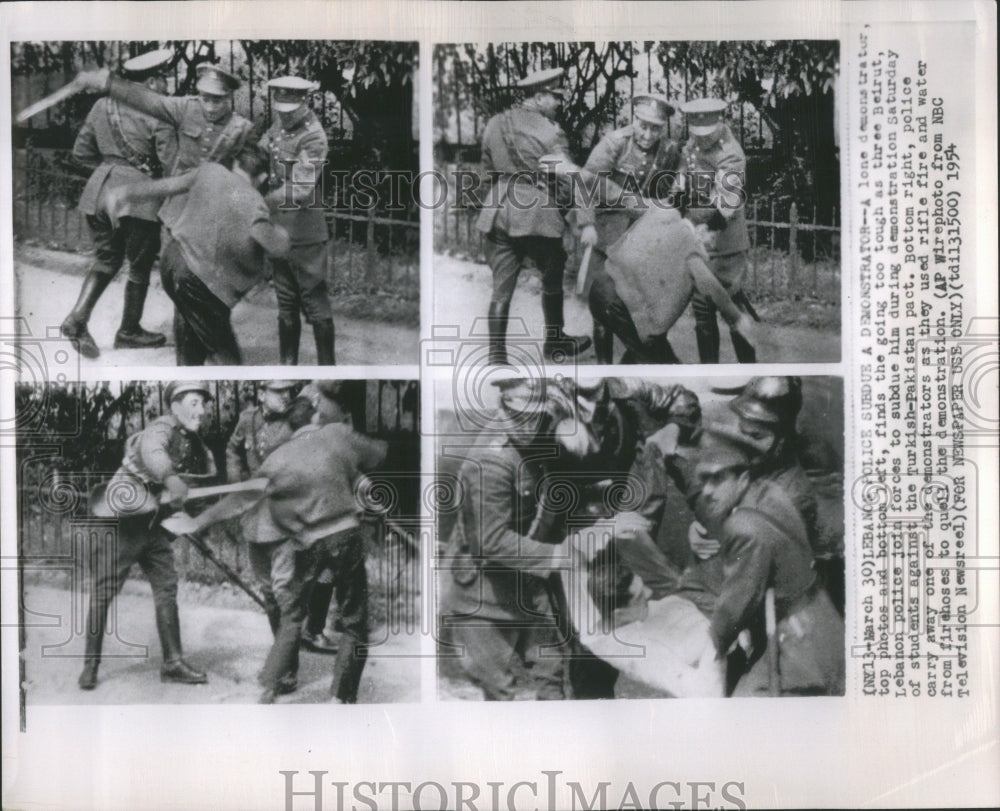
pixel 121 145
pixel 499 605
pixel 628 164
pixel 297 147
pixel 159 463
pixel 522 218
pixel 259 429
pixel 206 127
pixel 713 170
pixel 763 545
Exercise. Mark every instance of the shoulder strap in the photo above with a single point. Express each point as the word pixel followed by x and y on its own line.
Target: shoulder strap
pixel 147 164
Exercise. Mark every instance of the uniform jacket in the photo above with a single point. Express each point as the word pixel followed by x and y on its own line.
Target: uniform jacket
pixel 499 553
pixel 764 545
pixel 256 434
pixel 724 159
pixel 214 225
pixel 136 153
pixel 620 164
pixel 305 146
pixel 163 449
pixel 513 142
pixel 198 139
pixel 312 479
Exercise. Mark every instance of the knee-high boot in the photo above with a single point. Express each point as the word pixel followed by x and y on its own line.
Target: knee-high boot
pixel 558 345
pixel 323 332
pixel 130 334
pixel 74 326
pixel 289 332
pixel 174 668
pixel 499 314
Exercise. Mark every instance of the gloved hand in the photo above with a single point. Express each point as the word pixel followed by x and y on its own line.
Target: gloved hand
pixel 177 491
pixel 92 81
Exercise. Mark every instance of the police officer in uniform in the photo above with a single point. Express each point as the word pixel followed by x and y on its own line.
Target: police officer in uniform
pixel 713 170
pixel 499 605
pixel 121 145
pixel 158 464
pixel 521 219
pixel 631 163
pixel 297 147
pixel 259 430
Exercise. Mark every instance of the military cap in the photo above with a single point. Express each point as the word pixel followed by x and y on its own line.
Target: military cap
pixel 550 80
pixel 290 92
pixel 178 388
pixel 703 115
pixel 519 394
pixel 279 385
pixel 724 449
pixel 651 108
pixel 770 400
pixel 215 81
pixel 148 64
pixel 330 389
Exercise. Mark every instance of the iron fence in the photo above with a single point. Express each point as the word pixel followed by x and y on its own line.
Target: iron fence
pixel 793 254
pixel 64 457
pixel 367 250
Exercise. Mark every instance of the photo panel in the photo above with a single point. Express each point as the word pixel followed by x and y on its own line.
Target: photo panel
pixel 661 191
pixel 640 537
pixel 219 542
pixel 258 192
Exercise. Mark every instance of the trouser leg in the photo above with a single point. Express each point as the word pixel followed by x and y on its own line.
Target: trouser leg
pixel 142 244
pixel 350 581
pixel 260 564
pixel 287 576
pixel 706 328
pixel 487 650
pixel 308 264
pixel 505 261
pixel 204 327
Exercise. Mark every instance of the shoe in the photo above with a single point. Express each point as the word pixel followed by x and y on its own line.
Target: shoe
pixel 130 334
pixel 139 339
pixel 88 678
pixel 269 696
pixel 566 347
pixel 181 672
pixel 287 684
pixel 319 643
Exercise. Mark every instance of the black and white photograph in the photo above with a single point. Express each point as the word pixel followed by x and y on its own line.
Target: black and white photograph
pixel 640 538
pixel 679 201
pixel 193 542
pixel 259 193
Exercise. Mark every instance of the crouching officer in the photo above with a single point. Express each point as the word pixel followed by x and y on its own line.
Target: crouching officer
pixel 159 463
pixel 296 146
pixel 121 145
pixel 713 170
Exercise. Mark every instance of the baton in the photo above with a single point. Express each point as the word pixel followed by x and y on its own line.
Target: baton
pixel 147 502
pixel 581 276
pixel 209 555
pixel 43 104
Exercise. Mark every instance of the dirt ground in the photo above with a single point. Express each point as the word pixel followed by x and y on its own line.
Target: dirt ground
pixel 462 294
pixel 230 644
pixel 47 284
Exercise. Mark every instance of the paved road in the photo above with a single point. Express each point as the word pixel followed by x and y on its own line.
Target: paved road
pixel 47 284
pixel 462 294
pixel 229 643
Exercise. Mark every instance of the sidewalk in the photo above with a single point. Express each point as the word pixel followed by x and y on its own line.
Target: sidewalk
pixel 47 283
pixel 230 644
pixel 462 294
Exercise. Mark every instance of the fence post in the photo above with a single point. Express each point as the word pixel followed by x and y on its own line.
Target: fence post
pixel 370 242
pixel 793 249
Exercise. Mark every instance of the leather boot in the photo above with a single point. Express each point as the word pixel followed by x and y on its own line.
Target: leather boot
pixel 130 334
pixel 74 326
pixel 174 667
pixel 318 606
pixel 96 620
pixel 323 332
pixel 289 331
pixel 745 352
pixel 559 346
pixel 499 315
pixel 659 350
pixel 604 343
